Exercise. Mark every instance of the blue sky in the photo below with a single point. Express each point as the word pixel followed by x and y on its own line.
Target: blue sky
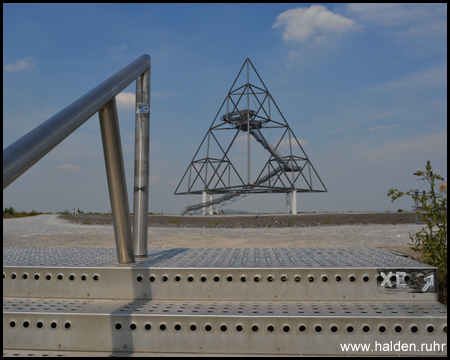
pixel 364 87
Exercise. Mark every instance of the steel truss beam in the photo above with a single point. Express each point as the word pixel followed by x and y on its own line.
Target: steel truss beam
pixel 235 115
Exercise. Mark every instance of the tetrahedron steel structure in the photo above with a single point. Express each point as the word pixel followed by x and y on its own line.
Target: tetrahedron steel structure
pixel 249 148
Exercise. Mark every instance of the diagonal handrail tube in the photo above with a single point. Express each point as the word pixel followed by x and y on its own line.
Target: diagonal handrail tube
pixel 29 149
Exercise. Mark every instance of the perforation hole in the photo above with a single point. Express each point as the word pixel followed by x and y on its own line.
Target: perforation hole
pixel 255 328
pixel 147 327
pixel 190 278
pixel 382 329
pixel 334 328
pixel 243 278
pixel 286 329
pixel 132 327
pixel 398 329
pixel 36 276
pixel 324 278
pixel 270 278
pixel 366 328
pixel 48 277
pixel 338 278
pixel 84 277
pixel 118 326
pixel 350 329
pixel 193 327
pixel 152 278
pixel 223 328
pixel 239 328
pixel 60 277
pixel 302 328
pixel 414 329
pixel 13 276
pixel 96 277
pixel 12 324
pixel 177 278
pixel 216 278
pixel 53 325
pixel 162 327
pixel 366 278
pixel 352 278
pixel 203 278
pixel 71 277
pixel 26 324
pixel 39 325
pixel 430 328
pixel 256 279
pixel 229 278
pixel 444 329
pixel 270 328
pixel 297 278
pixel 311 278
pixel 318 329
pixel 283 278
pixel 208 328
pixel 67 325
pixel 25 276
pixel 177 327
pixel 164 278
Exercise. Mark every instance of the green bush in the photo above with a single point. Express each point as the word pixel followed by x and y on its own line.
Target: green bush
pixel 9 211
pixel 431 241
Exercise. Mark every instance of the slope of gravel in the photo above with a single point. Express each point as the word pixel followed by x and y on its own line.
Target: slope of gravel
pixel 52 231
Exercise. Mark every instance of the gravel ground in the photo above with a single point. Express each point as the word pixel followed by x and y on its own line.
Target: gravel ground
pixel 52 231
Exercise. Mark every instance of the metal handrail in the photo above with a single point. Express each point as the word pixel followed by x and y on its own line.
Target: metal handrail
pixel 29 149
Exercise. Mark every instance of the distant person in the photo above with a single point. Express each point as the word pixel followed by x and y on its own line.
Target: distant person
pixel 73 211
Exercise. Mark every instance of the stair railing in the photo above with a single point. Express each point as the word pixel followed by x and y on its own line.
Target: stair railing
pixel 29 149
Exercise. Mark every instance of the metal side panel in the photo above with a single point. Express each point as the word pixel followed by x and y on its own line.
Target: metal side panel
pixel 225 327
pixel 220 284
pixel 219 274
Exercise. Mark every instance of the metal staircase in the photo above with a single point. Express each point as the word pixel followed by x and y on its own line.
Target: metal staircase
pixel 261 301
pixel 237 195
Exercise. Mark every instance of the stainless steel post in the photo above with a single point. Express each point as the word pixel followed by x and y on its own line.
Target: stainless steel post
pixel 30 148
pixel 141 165
pixel 115 172
pixel 248 124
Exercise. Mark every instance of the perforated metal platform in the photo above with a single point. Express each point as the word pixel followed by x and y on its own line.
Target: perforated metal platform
pixel 284 301
pixel 353 257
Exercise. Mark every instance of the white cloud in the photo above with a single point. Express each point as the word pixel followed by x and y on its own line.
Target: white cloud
pixel 126 100
pixel 405 20
pixel 285 145
pixel 429 78
pixel 153 179
pixel 383 127
pixel 302 23
pixel 335 174
pixel 26 63
pixel 69 167
pixel 431 144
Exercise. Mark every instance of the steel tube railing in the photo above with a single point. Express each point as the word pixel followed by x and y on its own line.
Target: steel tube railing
pixel 29 149
pixel 115 173
pixel 141 165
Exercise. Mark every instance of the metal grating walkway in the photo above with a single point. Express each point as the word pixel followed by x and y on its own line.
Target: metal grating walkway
pixel 260 301
pixel 203 257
